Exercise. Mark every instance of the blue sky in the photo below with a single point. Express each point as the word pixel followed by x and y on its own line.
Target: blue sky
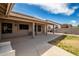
pixel 64 13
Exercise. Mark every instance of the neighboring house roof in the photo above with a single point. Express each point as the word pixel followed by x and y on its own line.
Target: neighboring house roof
pixel 66 25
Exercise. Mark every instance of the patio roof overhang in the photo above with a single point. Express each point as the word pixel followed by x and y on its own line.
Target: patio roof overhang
pixel 6 13
pixel 29 18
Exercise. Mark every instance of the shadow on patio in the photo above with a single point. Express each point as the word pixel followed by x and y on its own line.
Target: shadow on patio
pixel 57 40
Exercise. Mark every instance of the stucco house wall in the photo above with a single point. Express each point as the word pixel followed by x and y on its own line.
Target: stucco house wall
pixel 15 29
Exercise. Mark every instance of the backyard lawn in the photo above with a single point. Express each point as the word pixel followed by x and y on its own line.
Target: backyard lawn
pixel 68 43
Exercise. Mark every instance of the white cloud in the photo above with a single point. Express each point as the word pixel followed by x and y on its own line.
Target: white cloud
pixel 56 8
pixel 73 22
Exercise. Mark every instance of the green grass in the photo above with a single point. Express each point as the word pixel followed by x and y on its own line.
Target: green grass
pixel 66 44
pixel 69 48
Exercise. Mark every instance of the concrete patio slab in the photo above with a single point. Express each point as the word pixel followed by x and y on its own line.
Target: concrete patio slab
pixel 38 46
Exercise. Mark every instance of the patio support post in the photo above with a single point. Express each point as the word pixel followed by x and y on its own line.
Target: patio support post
pixel 53 28
pixel 0 30
pixel 36 29
pixel 46 29
pixel 33 30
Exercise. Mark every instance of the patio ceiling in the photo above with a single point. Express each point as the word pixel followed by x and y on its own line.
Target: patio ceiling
pixel 5 8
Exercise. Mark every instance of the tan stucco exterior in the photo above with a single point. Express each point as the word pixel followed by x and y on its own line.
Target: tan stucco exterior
pixel 16 32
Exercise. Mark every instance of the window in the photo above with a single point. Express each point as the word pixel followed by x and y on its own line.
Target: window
pixel 6 28
pixel 23 27
pixel 39 28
